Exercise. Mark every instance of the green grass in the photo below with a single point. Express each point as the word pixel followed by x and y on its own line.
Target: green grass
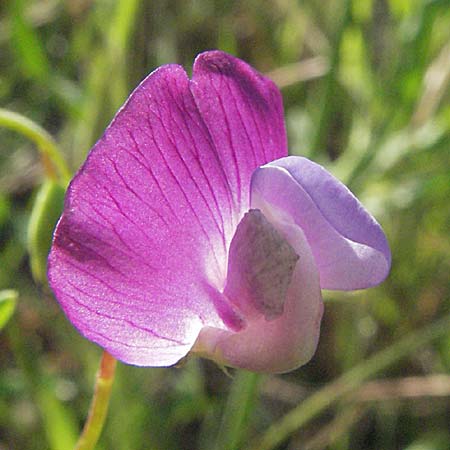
pixel 371 103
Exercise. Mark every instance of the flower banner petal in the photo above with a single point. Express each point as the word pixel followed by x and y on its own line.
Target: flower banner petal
pixel 148 219
pixel 348 245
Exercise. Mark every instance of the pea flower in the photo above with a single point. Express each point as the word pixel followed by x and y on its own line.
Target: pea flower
pixel 189 229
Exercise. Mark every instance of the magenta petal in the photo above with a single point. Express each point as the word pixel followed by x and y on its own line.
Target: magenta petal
pixel 243 112
pixel 141 249
pixel 348 245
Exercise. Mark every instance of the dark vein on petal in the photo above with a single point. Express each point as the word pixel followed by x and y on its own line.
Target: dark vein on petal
pixel 123 319
pixel 133 254
pixel 90 294
pixel 232 148
pixel 171 139
pixel 129 188
pixel 133 307
pixel 175 179
pixel 231 203
pixel 120 210
pixel 103 337
pixel 91 217
pixel 268 127
pixel 71 262
pixel 196 155
pixel 212 150
pixel 90 274
pixel 150 172
pixel 99 256
pixel 244 127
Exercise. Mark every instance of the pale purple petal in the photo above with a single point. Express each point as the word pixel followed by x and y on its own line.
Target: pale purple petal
pixel 348 245
pixel 140 253
pixel 282 344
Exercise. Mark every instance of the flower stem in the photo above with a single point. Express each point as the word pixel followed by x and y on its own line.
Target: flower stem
pixel 348 382
pixel 54 164
pixel 99 405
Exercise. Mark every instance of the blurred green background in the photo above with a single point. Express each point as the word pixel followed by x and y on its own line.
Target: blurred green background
pixel 366 91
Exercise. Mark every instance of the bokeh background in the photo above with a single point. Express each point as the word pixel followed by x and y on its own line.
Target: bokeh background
pixel 366 91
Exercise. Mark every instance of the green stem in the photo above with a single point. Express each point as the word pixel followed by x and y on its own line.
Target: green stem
pixel 51 157
pixel 99 406
pixel 348 382
pixel 240 403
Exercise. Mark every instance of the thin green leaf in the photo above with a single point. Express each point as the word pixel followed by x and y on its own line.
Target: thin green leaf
pixel 44 142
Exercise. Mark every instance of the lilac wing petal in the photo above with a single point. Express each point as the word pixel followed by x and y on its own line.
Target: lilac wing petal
pixel 244 115
pixel 147 222
pixel 348 245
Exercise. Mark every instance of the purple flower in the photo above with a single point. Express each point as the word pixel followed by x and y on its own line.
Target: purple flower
pixel 189 229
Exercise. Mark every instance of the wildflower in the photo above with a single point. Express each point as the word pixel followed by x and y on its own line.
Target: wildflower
pixel 189 229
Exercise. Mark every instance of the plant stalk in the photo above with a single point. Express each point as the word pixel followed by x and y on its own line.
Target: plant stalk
pixel 99 405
